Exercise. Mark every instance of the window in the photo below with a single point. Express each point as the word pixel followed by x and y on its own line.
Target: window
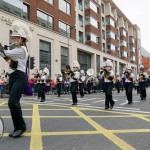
pixel 110 34
pixel 92 37
pixel 111 22
pixel 80 20
pixel 16 7
pixel 111 47
pixel 123 32
pixel 132 58
pixel 123 43
pixel 98 63
pixel 44 20
pixel 103 21
pixel 131 40
pixel 104 48
pixel 64 57
pixel 80 37
pixel 103 34
pixel 64 29
pixel 45 55
pixel 80 5
pixel 91 21
pixel 91 5
pixel 84 60
pixel 132 49
pixel 124 54
pixel 50 1
pixel 103 10
pixel 64 6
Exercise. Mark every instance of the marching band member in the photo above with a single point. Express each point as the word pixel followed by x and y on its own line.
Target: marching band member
pixel 81 83
pixel 45 74
pixel 90 73
pixel 59 83
pixel 118 80
pixel 74 76
pixel 141 77
pixel 129 83
pixel 17 63
pixel 108 74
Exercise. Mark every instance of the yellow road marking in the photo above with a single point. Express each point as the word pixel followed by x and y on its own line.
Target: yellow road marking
pixel 141 117
pixel 2 104
pixel 36 138
pixel 87 132
pixel 119 142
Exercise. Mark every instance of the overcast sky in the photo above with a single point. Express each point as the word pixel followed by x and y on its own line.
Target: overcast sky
pixel 138 12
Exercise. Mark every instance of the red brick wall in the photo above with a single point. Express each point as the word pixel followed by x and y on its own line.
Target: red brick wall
pixel 146 64
pixel 54 11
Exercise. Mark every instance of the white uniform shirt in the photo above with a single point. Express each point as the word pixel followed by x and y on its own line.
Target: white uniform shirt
pixel 19 54
pixel 131 76
pixel 144 73
pixel 77 76
pixel 112 74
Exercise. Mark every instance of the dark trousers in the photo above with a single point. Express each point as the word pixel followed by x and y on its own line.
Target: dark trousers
pixel 128 89
pixel 42 95
pixel 81 87
pixel 59 89
pixel 142 86
pixel 118 87
pixel 74 88
pixel 108 86
pixel 17 82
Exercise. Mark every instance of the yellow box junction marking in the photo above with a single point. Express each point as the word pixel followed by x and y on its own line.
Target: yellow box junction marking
pixel 120 143
pixel 36 137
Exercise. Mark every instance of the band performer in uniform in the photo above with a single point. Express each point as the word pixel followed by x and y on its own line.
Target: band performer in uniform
pixel 59 83
pixel 141 77
pixel 74 76
pixel 108 74
pixel 81 83
pixel 17 59
pixel 129 84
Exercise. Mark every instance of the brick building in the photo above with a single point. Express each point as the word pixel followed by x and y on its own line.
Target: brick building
pixel 89 31
pixel 145 55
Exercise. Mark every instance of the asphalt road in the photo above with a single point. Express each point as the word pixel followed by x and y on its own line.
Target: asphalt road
pixel 56 125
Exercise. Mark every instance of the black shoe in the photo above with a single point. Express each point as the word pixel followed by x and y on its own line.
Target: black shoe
pixel 111 106
pixel 106 107
pixel 11 133
pixel 73 104
pixel 130 102
pixel 18 133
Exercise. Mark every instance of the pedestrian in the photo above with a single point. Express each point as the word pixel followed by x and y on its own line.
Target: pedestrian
pixel 17 58
pixel 129 84
pixel 81 83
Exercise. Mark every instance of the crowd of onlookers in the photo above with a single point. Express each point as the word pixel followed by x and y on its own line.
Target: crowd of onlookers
pixel 94 85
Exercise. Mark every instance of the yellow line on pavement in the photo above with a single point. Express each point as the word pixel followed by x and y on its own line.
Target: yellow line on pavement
pixel 119 142
pixel 86 132
pixel 60 117
pixel 55 109
pixel 2 104
pixel 36 138
pixel 70 133
pixel 131 131
pixel 123 116
pixel 141 117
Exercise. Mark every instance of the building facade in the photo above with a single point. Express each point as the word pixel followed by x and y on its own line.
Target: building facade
pixel 89 31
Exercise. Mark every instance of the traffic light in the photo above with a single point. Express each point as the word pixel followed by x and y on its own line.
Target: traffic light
pixel 32 59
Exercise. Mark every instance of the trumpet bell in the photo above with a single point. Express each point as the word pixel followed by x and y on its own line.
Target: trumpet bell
pixel 90 72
